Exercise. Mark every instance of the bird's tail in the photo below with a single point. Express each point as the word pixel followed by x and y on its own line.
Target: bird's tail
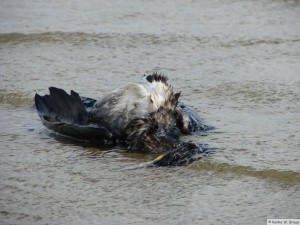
pixel 67 115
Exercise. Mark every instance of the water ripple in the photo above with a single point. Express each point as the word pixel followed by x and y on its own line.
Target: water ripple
pixel 81 37
pixel 257 94
pixel 15 98
pixel 290 177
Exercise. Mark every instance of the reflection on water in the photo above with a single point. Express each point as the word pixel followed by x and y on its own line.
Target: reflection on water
pixel 236 62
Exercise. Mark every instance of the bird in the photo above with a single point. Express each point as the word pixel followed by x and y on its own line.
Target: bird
pixel 144 116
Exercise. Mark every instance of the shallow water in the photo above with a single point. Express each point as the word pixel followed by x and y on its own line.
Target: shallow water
pixel 236 61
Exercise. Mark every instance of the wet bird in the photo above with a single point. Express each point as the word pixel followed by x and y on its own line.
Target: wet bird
pixel 144 117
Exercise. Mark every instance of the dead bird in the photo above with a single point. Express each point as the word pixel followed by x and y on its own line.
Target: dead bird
pixel 145 117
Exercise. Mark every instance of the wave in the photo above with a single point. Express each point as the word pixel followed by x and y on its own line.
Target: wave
pixel 47 37
pixel 290 177
pixel 15 98
pixel 79 37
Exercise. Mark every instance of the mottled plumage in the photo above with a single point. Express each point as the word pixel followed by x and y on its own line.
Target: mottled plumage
pixel 143 116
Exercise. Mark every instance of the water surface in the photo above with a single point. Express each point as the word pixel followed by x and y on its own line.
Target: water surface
pixel 235 61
